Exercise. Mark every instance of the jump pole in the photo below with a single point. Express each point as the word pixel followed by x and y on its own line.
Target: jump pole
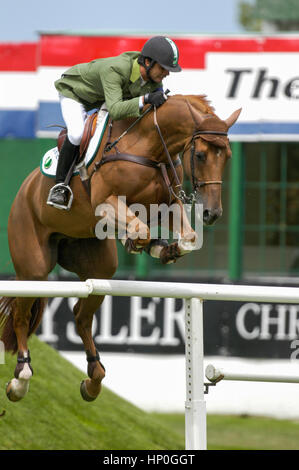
pixel 215 375
pixel 148 289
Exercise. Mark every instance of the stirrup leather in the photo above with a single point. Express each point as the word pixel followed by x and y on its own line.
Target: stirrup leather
pixel 58 206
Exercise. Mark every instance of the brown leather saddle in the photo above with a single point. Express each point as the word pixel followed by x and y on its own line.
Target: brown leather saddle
pixel 89 130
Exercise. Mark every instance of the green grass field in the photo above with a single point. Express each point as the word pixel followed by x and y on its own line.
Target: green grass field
pixel 243 433
pixel 54 416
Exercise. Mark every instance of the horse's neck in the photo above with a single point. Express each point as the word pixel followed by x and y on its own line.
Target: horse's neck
pixel 176 126
pixel 178 119
pixel 175 122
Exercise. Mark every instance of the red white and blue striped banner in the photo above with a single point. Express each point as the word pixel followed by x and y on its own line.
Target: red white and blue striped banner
pixel 18 90
pixel 256 73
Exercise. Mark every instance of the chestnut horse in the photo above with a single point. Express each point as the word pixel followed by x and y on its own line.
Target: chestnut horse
pixel 41 236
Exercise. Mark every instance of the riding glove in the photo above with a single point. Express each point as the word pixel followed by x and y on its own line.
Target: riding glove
pixel 156 98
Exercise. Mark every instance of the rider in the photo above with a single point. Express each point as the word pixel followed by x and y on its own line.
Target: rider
pixel 125 83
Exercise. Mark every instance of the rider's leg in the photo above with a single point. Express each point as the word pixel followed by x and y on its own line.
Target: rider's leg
pixel 74 116
pixel 66 157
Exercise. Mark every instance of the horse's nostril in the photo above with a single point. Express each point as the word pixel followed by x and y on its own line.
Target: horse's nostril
pixel 210 216
pixel 206 214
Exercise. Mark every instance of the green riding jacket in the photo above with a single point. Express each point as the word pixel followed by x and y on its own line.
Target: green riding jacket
pixel 114 80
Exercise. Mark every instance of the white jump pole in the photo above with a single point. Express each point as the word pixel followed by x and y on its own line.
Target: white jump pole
pixel 45 289
pixel 189 290
pixel 215 375
pixel 149 289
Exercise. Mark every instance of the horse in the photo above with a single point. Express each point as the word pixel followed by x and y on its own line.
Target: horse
pixel 144 168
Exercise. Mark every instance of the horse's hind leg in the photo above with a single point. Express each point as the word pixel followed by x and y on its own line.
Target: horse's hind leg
pixel 22 317
pixel 33 259
pixel 84 311
pixel 89 258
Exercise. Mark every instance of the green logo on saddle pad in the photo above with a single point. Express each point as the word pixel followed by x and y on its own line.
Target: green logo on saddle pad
pixel 48 162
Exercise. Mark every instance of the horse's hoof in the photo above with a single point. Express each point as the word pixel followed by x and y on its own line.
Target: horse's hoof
pixel 84 394
pixel 11 393
pixel 131 248
pixel 169 254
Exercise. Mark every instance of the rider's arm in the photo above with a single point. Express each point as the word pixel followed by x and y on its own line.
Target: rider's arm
pixel 118 108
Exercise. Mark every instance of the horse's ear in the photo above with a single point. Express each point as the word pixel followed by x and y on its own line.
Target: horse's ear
pixel 196 116
pixel 233 117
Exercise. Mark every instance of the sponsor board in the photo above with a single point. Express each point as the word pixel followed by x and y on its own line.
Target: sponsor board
pixel 156 326
pixel 252 72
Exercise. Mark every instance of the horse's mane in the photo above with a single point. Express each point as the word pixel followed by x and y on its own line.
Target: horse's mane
pixel 200 102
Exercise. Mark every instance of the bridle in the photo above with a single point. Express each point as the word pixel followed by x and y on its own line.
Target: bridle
pixel 196 183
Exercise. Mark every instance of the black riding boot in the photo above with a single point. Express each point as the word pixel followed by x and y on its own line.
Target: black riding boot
pixel 59 194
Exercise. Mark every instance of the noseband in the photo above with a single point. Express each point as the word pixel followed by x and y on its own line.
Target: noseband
pixel 197 184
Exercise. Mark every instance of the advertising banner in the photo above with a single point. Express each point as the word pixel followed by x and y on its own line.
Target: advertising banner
pixel 255 73
pixel 156 326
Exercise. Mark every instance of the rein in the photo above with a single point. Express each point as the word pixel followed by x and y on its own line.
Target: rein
pixel 109 146
pixel 181 193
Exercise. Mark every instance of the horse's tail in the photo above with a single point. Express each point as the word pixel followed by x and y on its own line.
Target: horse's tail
pixel 7 333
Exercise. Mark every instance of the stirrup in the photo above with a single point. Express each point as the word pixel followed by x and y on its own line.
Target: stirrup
pixel 70 200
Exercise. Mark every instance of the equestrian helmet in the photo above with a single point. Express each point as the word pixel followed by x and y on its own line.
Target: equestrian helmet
pixel 164 51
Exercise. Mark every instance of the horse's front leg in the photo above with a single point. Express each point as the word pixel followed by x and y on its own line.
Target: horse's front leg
pixel 118 218
pixel 188 238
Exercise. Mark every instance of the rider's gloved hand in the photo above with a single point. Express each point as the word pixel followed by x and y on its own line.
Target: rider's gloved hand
pixel 156 98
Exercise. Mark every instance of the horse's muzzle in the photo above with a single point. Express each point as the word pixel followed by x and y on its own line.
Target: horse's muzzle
pixel 211 215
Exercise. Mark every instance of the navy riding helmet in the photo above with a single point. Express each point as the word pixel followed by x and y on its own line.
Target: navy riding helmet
pixel 162 50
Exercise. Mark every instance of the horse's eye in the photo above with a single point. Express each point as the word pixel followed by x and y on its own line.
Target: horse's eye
pixel 201 156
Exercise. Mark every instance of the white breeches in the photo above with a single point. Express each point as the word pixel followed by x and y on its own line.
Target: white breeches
pixel 74 116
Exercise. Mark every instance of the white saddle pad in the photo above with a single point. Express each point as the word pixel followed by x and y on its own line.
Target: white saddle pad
pixel 50 159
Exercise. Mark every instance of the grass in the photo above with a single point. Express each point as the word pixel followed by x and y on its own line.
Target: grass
pixel 243 432
pixel 53 416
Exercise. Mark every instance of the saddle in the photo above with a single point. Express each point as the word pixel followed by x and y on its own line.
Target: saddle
pixel 89 130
